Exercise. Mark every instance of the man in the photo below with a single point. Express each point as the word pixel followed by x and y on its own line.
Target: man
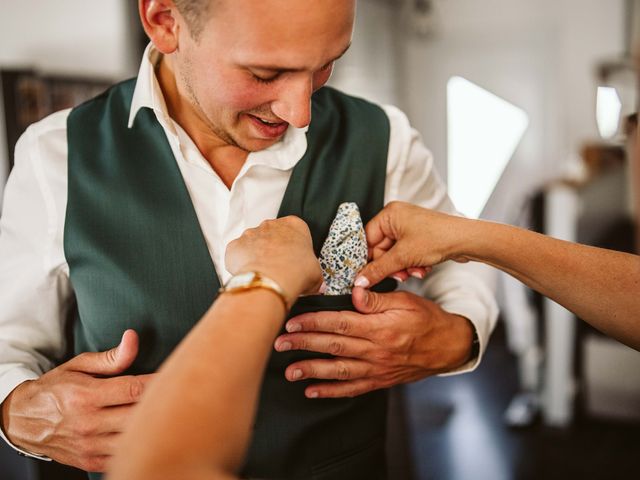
pixel 117 216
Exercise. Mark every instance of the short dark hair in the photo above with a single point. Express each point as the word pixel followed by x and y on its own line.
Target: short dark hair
pixel 195 13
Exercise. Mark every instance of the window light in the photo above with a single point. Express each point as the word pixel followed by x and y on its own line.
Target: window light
pixel 483 133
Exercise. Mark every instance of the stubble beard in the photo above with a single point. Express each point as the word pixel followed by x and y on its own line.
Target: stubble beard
pixel 218 131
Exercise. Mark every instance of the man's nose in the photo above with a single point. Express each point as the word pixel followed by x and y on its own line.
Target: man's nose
pixel 293 104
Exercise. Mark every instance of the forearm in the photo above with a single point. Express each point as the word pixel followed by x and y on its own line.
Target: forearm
pixel 205 394
pixel 600 286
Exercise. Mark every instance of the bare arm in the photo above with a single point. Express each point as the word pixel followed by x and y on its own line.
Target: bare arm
pixel 195 421
pixel 600 286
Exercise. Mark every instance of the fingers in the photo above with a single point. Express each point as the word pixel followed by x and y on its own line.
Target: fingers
pixel 350 389
pixel 101 423
pixel 378 228
pixel 401 276
pixel 89 452
pixel 328 369
pixel 338 345
pixel 110 362
pixel 382 267
pixel 97 464
pixel 93 454
pixel 369 302
pixel 418 272
pixel 115 419
pixel 122 390
pixel 353 375
pixel 341 323
pixel 378 249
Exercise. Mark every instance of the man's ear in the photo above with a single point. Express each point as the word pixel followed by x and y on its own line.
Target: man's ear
pixel 160 22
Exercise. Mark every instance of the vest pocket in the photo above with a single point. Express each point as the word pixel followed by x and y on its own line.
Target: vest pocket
pixel 318 303
pixel 366 461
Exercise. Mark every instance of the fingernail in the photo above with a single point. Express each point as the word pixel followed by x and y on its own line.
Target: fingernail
pixel 293 327
pixel 283 347
pixel 419 275
pixel 296 374
pixel 323 288
pixel 361 282
pixel 397 278
pixel 312 395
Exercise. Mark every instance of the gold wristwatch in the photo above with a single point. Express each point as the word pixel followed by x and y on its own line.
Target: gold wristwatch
pixel 252 280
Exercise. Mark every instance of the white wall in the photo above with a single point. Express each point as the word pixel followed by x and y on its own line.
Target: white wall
pixel 68 36
pixel 73 37
pixel 539 55
pixel 369 69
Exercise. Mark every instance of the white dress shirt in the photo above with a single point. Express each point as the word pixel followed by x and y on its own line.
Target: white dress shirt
pixel 35 292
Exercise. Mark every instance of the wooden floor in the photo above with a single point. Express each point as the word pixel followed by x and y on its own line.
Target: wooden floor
pixel 457 432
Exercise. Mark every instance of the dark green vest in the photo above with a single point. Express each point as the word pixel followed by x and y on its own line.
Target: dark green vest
pixel 138 259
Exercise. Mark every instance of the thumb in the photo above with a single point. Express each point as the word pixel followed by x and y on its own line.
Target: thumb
pixel 367 301
pixel 109 362
pixel 379 269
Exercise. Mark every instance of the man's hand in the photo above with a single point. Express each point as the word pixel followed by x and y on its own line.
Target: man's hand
pixel 396 338
pixel 71 414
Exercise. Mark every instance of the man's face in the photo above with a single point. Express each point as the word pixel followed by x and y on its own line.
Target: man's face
pixel 257 62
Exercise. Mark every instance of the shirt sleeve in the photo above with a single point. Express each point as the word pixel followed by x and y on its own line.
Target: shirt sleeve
pixel 458 288
pixel 35 292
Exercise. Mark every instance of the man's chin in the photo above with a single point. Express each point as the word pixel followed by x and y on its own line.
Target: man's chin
pixel 257 144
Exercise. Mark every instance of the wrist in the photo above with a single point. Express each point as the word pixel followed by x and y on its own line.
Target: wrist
pixel 253 279
pixel 292 286
pixel 475 240
pixel 7 423
pixel 457 241
pixel 474 350
pixel 463 349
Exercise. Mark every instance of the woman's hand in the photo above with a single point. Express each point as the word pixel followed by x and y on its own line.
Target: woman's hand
pixel 404 237
pixel 281 249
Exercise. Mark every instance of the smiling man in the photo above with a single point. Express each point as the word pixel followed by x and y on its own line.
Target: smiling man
pixel 117 216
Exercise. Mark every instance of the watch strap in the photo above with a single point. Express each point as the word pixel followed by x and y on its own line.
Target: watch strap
pixel 252 280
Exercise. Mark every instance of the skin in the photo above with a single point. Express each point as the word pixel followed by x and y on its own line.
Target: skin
pixel 394 338
pixel 598 285
pixel 211 88
pixel 210 437
pixel 595 283
pixel 72 414
pixel 215 85
pixel 254 59
pixel 249 61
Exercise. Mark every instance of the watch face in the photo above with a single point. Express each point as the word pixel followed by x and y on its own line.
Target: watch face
pixel 242 279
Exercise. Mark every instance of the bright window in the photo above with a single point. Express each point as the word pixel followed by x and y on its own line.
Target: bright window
pixel 483 133
pixel 608 108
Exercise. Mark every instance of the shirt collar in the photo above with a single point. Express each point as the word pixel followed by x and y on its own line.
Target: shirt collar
pixel 147 94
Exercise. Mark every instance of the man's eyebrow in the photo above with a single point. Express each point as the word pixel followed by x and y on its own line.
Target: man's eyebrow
pixel 276 68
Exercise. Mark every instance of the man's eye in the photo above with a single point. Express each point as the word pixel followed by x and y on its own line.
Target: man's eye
pixel 259 79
